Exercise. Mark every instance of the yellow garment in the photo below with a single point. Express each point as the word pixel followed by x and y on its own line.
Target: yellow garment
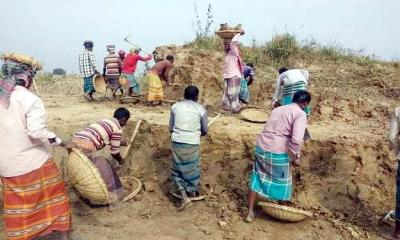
pixel 155 87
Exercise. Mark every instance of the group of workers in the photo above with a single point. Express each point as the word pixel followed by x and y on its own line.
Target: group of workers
pixel 124 65
pixel 33 171
pixel 238 76
pixel 27 167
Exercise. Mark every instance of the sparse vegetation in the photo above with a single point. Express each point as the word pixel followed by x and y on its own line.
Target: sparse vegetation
pixel 203 37
pixel 44 77
pixel 286 49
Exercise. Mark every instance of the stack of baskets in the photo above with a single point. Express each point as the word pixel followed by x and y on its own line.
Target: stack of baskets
pixel 227 33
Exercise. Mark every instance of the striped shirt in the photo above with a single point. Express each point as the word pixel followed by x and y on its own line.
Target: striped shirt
pixel 112 65
pixel 87 63
pixel 105 132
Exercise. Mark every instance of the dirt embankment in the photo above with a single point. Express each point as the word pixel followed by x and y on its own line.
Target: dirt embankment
pixel 348 170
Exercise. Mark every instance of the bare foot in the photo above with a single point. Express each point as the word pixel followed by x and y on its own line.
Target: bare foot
pixel 243 106
pixel 250 217
pixel 185 203
pixel 87 97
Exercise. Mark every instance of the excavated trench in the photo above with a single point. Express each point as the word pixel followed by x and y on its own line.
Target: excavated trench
pixel 340 178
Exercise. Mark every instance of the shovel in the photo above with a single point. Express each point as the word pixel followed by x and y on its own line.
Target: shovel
pixel 132 139
pixel 213 120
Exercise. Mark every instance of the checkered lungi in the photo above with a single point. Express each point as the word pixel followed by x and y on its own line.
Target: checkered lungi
pixel 271 176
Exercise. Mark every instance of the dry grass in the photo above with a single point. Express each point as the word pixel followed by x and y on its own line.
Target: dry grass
pixel 331 66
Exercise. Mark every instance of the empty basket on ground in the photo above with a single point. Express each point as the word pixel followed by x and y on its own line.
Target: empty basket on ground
pixel 86 178
pixel 254 115
pixel 133 100
pixel 284 213
pixel 99 84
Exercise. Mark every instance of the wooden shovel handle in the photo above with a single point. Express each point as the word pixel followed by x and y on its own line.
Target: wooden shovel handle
pixel 36 88
pixel 213 120
pixel 132 138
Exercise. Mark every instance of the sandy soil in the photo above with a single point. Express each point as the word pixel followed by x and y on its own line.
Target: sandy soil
pixel 346 178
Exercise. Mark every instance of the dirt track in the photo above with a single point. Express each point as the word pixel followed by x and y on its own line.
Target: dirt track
pixel 346 177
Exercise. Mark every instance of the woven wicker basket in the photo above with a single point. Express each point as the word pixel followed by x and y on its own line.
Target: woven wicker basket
pixel 228 34
pixel 254 115
pixel 99 84
pixel 86 178
pixel 133 100
pixel 132 185
pixel 284 213
pixel 21 58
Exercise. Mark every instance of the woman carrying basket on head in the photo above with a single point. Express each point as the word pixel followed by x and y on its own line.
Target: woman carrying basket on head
pixel 232 74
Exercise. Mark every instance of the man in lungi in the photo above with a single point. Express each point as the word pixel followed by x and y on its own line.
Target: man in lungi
pixel 97 136
pixel 112 70
pixel 160 71
pixel 129 68
pixel 289 82
pixel 35 197
pixel 232 74
pixel 394 134
pixel 87 68
pixel 188 121
pixel 245 82
pixel 277 148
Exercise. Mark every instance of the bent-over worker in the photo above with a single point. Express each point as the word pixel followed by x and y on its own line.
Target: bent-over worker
pixel 287 84
pixel 97 136
pixel 277 148
pixel 160 71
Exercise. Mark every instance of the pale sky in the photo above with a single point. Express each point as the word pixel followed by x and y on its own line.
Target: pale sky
pixel 53 30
